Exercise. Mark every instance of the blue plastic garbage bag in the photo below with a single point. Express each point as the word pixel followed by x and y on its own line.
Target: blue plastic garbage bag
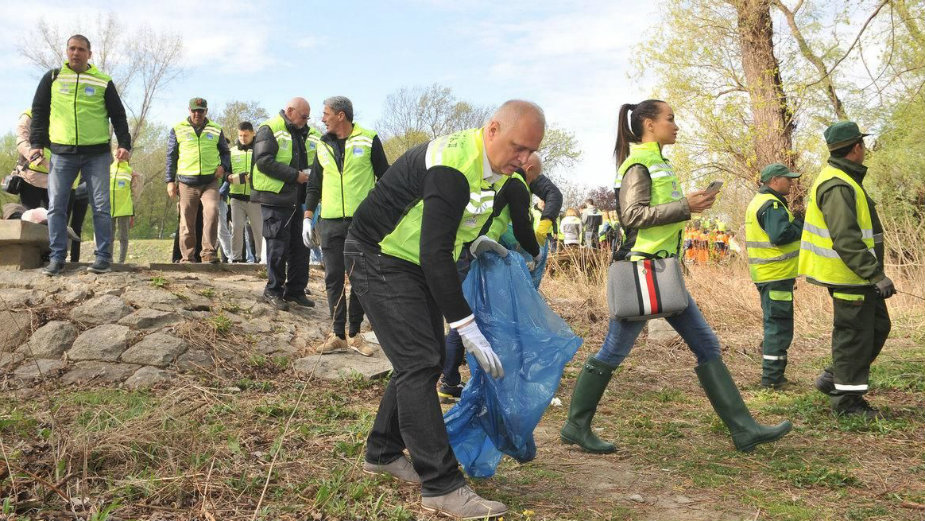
pixel 495 417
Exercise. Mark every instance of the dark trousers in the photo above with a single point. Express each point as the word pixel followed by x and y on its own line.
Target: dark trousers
pixel 777 315
pixel 76 210
pixel 333 234
pixel 455 351
pixel 861 326
pixel 33 197
pixel 287 256
pixel 409 327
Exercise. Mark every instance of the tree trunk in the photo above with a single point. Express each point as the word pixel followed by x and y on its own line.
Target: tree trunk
pixel 772 118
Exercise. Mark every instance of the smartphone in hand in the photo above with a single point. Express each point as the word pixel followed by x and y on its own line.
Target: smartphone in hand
pixel 713 187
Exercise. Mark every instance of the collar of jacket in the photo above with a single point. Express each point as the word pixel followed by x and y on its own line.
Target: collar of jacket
pixel 765 189
pixel 242 146
pixel 855 170
pixel 198 129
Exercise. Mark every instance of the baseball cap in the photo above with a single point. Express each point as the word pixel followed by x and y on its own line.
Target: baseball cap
pixel 198 104
pixel 842 134
pixel 776 170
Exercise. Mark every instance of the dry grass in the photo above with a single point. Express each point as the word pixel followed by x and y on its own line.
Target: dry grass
pixel 251 440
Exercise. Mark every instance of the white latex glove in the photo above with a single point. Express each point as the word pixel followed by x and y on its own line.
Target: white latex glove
pixel 476 343
pixel 483 243
pixel 307 238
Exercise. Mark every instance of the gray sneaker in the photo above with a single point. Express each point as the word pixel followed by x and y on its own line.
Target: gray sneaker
pixel 100 266
pixel 53 268
pixel 400 468
pixel 463 503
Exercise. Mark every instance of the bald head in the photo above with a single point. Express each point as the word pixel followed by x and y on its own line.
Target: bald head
pixel 298 111
pixel 514 131
pixel 533 167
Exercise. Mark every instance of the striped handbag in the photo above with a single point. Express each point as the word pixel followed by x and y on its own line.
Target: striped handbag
pixel 646 288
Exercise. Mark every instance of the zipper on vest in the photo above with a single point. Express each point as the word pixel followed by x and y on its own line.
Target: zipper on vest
pixel 76 125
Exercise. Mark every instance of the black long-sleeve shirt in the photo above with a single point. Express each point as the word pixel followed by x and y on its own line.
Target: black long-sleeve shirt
pixel 41 112
pixel 545 189
pixel 445 194
pixel 515 197
pixel 265 149
pixel 316 179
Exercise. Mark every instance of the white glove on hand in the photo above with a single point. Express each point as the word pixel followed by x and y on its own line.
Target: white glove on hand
pixel 476 343
pixel 483 243
pixel 307 239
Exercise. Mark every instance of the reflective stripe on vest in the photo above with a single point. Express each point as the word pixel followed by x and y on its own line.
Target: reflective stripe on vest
pixel 241 162
pixel 665 189
pixel 120 189
pixel 342 191
pixel 78 108
pixel 819 261
pixel 198 154
pixel 261 181
pixel 462 151
pixel 767 262
pixel 312 142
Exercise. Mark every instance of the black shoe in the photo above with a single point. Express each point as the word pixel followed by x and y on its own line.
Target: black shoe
pixel 825 382
pixel 301 300
pixel 54 267
pixel 276 301
pixel 100 266
pixel 449 393
pixel 856 405
pixel 779 385
pixel 308 291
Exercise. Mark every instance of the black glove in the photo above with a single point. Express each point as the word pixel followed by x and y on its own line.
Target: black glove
pixel 885 287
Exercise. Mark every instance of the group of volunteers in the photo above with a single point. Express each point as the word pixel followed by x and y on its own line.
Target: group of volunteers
pixel 706 241
pixel 405 235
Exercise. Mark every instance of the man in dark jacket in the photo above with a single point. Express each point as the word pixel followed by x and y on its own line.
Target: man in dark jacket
pixel 71 112
pixel 278 184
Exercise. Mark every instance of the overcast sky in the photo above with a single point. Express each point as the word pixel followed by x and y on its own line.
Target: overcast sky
pixel 573 58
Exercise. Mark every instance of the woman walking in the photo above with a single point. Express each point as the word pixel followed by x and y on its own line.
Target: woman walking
pixel 653 212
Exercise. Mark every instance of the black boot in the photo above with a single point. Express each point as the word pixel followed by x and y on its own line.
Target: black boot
pixel 589 388
pixel 728 404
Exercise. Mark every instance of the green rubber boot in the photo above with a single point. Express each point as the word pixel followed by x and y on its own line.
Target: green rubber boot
pixel 728 404
pixel 589 388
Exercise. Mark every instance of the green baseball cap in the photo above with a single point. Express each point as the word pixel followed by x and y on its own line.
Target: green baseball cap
pixel 776 170
pixel 198 104
pixel 842 134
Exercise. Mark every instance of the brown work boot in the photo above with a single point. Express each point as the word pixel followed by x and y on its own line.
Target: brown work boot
pixel 400 469
pixel 463 503
pixel 360 345
pixel 333 344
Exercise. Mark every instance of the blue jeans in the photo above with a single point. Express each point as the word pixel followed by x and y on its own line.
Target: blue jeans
pixel 455 351
pixel 94 168
pixel 540 268
pixel 693 328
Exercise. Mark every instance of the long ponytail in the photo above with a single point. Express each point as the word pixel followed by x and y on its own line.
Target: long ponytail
pixel 629 127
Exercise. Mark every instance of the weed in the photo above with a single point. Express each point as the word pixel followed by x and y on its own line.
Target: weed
pixel 208 292
pixel 220 323
pixel 159 282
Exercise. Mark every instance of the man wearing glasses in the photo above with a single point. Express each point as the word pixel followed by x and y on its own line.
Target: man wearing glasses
pixel 278 184
pixel 197 157
pixel 842 249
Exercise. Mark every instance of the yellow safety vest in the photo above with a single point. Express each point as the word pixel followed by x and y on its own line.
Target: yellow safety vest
pixel 120 189
pixel 241 163
pixel 198 154
pixel 78 108
pixel 664 238
pixel 819 261
pixel 767 262
pixel 262 181
pixel 342 191
pixel 464 152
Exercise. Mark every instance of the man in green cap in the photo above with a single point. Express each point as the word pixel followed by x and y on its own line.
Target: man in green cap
pixel 198 157
pixel 842 249
pixel 772 239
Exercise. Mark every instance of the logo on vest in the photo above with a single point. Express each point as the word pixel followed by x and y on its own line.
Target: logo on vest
pixel 357 151
pixel 89 91
pixel 209 136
